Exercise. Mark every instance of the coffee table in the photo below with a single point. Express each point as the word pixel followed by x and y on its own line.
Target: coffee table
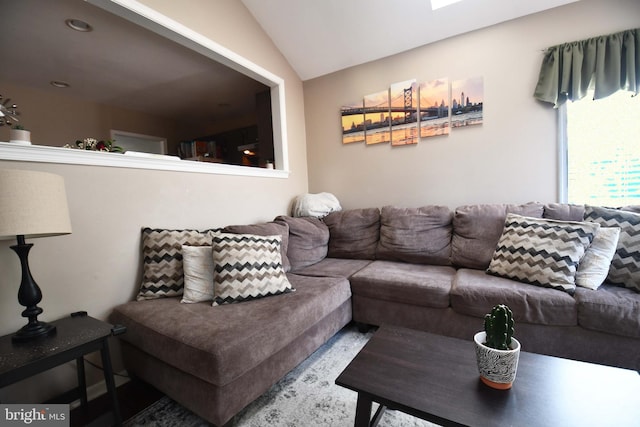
pixel 435 378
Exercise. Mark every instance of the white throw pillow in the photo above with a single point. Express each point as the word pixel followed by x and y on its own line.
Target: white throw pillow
pixel 198 273
pixel 594 266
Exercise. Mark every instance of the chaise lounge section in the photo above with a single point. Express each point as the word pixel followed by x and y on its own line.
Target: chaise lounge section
pixel 422 268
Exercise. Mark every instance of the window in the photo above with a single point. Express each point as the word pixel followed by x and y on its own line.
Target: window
pixel 602 145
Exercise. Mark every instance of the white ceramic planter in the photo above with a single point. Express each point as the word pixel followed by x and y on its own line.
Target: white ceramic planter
pixel 20 136
pixel 497 368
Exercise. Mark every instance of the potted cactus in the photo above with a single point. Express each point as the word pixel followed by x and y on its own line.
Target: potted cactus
pixel 497 352
pixel 19 135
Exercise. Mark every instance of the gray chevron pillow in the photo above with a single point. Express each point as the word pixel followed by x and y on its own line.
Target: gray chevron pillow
pixel 625 265
pixel 163 274
pixel 541 252
pixel 246 267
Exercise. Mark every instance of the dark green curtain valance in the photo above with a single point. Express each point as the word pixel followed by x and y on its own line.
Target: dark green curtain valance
pixel 607 63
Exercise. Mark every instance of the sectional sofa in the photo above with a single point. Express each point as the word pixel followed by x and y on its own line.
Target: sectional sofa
pixel 428 268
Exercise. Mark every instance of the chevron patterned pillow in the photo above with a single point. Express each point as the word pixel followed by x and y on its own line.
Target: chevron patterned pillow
pixel 163 274
pixel 625 265
pixel 541 252
pixel 246 267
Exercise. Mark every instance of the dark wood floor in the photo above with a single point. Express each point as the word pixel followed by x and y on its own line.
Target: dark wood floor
pixel 133 397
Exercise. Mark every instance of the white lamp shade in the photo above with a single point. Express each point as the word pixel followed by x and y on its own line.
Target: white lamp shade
pixel 33 204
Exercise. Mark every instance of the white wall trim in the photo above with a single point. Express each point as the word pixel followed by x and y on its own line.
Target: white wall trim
pixel 146 17
pixel 563 166
pixel 46 154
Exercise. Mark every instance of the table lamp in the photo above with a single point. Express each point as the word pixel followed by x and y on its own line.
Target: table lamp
pixel 32 204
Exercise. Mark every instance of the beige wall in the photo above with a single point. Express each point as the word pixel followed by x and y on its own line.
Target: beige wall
pixel 98 266
pixel 510 158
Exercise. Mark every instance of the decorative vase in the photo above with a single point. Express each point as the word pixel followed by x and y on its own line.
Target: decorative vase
pixel 20 136
pixel 497 368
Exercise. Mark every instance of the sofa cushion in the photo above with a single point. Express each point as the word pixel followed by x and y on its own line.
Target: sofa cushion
pixel 162 271
pixel 564 212
pixel 423 285
pixel 353 233
pixel 477 228
pixel 474 293
pixel 334 267
pixel 542 252
pixel 610 309
pixel 218 344
pixel 625 265
pixel 308 240
pixel 415 235
pixel 197 263
pixel 594 266
pixel 246 267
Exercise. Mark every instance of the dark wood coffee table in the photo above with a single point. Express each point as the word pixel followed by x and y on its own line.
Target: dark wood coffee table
pixel 435 378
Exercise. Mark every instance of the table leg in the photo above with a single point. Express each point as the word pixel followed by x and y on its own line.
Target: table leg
pixel 363 411
pixel 111 386
pixel 82 382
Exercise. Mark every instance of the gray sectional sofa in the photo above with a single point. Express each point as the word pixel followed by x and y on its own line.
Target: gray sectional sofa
pixel 422 268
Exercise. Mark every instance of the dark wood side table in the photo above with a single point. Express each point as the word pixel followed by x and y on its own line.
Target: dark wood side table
pixel 76 336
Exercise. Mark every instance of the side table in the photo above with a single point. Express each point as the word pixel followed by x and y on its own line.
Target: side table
pixel 76 336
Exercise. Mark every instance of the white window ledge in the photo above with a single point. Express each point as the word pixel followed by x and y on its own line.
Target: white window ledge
pixel 46 154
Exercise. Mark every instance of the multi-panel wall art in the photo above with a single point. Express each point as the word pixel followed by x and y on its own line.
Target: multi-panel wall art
pixel 409 111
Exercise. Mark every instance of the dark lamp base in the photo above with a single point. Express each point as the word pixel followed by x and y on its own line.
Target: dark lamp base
pixel 33 331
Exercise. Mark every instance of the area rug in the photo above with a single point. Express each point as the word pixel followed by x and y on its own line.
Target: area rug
pixel 306 396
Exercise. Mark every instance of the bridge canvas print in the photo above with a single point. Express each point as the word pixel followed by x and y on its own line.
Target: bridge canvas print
pixel 466 102
pixel 377 120
pixel 434 108
pixel 353 122
pixel 404 113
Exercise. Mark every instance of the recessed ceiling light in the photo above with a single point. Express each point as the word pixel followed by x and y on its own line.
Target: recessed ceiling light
pixel 78 25
pixel 437 4
pixel 60 84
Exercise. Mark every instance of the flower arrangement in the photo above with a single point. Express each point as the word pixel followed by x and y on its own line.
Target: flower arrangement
pixel 92 144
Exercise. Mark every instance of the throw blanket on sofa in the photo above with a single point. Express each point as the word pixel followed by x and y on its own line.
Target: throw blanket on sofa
pixel 315 205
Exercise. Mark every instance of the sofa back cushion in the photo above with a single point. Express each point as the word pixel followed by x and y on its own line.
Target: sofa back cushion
pixel 416 235
pixel 308 240
pixel 477 229
pixel 353 233
pixel 564 212
pixel 267 229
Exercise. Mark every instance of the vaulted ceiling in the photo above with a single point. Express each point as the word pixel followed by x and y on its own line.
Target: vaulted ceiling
pixel 322 36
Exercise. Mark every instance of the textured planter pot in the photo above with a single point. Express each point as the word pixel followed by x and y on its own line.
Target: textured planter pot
pixel 497 368
pixel 20 136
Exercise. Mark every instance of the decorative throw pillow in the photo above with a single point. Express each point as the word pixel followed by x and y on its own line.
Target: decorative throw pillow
pixel 541 252
pixel 625 265
pixel 594 267
pixel 266 229
pixel 162 274
pixel 247 266
pixel 197 262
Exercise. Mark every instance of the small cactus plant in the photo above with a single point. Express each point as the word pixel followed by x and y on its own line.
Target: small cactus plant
pixel 499 327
